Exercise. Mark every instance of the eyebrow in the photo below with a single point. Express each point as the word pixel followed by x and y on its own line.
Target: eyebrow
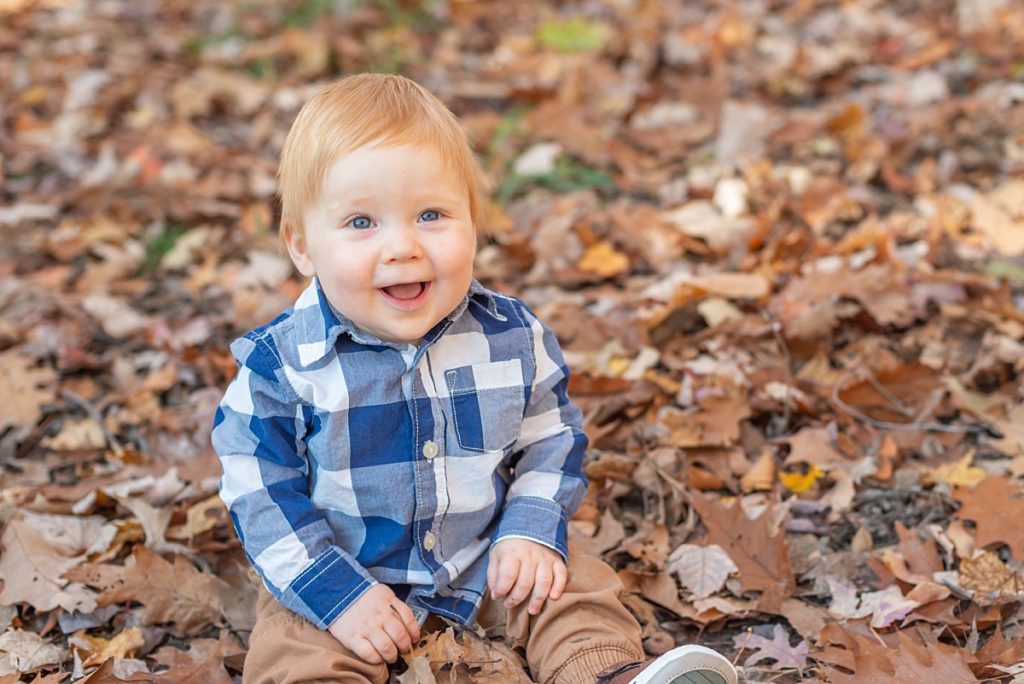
pixel 427 201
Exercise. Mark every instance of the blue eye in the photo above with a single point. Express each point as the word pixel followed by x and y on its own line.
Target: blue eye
pixel 430 215
pixel 361 223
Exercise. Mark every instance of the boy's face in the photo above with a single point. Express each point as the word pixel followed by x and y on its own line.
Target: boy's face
pixel 391 240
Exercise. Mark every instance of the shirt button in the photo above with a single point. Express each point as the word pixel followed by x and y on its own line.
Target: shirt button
pixel 429 449
pixel 429 540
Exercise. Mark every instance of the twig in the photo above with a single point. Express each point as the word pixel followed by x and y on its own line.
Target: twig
pixel 917 424
pixel 82 403
pixel 736 658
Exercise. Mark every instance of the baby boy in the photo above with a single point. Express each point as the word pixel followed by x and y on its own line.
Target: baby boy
pixel 400 442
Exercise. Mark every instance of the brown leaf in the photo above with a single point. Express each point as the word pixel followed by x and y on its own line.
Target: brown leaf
pixel 991 580
pixel 177 593
pixel 22 651
pixel 716 424
pixel 202 663
pixel 997 508
pixel 762 557
pixel 96 650
pixel 33 569
pixel 908 663
pixel 478 660
pixel 999 650
pixel 24 388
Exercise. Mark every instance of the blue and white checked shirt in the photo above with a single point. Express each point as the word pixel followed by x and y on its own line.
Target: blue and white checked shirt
pixel 349 460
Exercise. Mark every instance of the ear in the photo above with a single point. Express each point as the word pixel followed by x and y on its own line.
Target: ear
pixel 295 241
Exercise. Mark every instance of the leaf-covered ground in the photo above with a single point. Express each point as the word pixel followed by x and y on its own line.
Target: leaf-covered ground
pixel 782 243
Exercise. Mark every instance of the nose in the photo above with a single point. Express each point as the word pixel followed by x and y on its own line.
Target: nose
pixel 402 243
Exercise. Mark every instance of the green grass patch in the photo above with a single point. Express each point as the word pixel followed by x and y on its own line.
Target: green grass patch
pixel 568 175
pixel 1002 268
pixel 306 12
pixel 573 35
pixel 161 244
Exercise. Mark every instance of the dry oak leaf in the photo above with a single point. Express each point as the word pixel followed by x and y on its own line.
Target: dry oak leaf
pixel 24 388
pixel 716 424
pixel 762 557
pixel 999 650
pixel 469 658
pixel 958 474
pixel 203 663
pixel 991 580
pixel 32 567
pixel 177 593
pixel 701 569
pixel 96 650
pixel 777 648
pixel 22 651
pixel 603 260
pixel 997 508
pixel 907 663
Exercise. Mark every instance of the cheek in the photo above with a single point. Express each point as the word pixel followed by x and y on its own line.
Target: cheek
pixel 457 258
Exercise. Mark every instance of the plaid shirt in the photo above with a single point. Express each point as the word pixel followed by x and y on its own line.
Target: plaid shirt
pixel 349 460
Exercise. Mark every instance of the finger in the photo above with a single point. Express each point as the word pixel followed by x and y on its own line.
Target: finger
pixel 399 634
pixel 385 646
pixel 408 620
pixel 522 587
pixel 506 575
pixel 560 576
pixel 541 587
pixel 366 651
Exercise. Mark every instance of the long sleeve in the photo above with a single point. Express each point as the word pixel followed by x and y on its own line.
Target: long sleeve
pixel 259 434
pixel 547 459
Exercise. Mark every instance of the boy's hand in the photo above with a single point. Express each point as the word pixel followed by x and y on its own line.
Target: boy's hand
pixel 377 627
pixel 519 568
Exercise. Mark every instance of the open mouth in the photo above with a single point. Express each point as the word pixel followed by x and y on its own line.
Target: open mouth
pixel 405 291
pixel 406 294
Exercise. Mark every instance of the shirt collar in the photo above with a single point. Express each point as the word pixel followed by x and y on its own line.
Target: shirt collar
pixel 319 325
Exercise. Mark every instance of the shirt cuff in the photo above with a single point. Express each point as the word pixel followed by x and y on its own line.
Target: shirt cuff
pixel 537 519
pixel 327 587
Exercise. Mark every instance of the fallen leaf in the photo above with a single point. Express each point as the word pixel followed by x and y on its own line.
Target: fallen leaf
pixel 996 506
pixel 907 663
pixel 33 569
pixel 957 474
pixel 885 607
pixel 844 602
pixel 761 476
pixel 991 580
pixel 486 662
pixel 603 260
pixel 175 593
pixel 777 649
pixel 24 388
pixel 202 663
pixel 801 482
pixel 96 650
pixel 22 651
pixel 762 557
pixel 701 569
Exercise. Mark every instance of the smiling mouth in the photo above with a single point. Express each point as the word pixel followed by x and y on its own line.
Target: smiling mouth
pixel 405 291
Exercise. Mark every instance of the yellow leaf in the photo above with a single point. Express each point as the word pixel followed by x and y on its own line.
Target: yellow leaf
pixel 796 482
pixel 122 645
pixel 958 474
pixel 761 475
pixel 603 260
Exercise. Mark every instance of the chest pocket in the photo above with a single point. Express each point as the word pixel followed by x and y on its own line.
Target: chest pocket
pixel 487 403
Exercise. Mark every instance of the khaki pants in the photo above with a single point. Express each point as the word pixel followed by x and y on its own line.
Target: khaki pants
pixel 568 642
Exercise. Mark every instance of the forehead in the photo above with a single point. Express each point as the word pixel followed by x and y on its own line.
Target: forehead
pixel 409 168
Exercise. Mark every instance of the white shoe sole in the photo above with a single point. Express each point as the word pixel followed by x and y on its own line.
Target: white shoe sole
pixel 689 664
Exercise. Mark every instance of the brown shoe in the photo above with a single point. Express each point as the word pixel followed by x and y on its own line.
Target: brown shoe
pixel 690 664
